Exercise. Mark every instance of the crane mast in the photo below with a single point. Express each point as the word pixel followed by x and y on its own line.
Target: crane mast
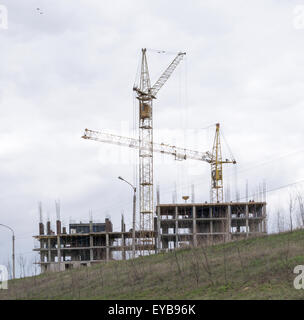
pixel 216 190
pixel 145 153
pixel 145 96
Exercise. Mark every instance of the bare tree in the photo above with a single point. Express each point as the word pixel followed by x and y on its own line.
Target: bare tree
pixel 195 265
pixel 206 264
pixel 301 207
pixel 179 268
pixel 291 208
pixel 225 260
pixel 278 221
pixel 242 264
pixel 135 272
pixel 9 269
pixel 35 269
pixel 22 266
pixel 101 276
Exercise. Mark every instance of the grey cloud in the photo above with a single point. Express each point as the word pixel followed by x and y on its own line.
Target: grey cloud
pixel 74 67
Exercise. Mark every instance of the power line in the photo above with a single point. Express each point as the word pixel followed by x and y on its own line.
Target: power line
pixel 277 188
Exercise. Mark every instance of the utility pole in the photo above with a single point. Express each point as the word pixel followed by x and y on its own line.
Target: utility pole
pixel 13 248
pixel 134 215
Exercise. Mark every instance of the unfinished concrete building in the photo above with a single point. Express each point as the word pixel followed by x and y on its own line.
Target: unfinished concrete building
pixel 186 224
pixel 175 226
pixel 83 245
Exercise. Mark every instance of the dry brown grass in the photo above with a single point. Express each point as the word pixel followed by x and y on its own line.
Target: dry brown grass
pixel 260 268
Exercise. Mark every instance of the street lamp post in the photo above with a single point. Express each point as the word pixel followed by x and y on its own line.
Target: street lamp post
pixel 134 215
pixel 13 249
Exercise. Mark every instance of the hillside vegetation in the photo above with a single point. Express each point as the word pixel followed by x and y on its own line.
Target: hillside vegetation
pixel 259 268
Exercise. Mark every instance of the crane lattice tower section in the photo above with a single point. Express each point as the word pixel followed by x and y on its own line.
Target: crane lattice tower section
pixel 145 96
pixel 145 148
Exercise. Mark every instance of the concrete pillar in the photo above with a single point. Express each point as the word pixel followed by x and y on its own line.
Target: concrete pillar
pixel 264 218
pixel 41 228
pixel 58 252
pixel 48 228
pixel 164 239
pixel 58 227
pixel 247 221
pixel 228 223
pixel 123 226
pixel 194 227
pixel 91 242
pixel 107 247
pixel 155 233
pixel 158 230
pixel 91 247
pixel 49 249
pixel 41 254
pixel 123 244
pixel 211 222
pixel 109 226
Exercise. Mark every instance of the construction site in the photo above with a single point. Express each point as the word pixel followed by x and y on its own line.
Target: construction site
pixel 161 227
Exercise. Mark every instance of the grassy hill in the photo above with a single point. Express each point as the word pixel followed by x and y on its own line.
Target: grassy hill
pixel 260 268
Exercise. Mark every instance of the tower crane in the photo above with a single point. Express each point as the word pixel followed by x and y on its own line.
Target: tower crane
pixel 216 190
pixel 214 158
pixel 145 93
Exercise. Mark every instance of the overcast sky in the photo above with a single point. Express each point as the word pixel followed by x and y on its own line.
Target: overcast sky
pixel 73 67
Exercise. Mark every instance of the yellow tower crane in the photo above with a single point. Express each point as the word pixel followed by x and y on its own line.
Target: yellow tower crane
pixel 217 193
pixel 145 95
